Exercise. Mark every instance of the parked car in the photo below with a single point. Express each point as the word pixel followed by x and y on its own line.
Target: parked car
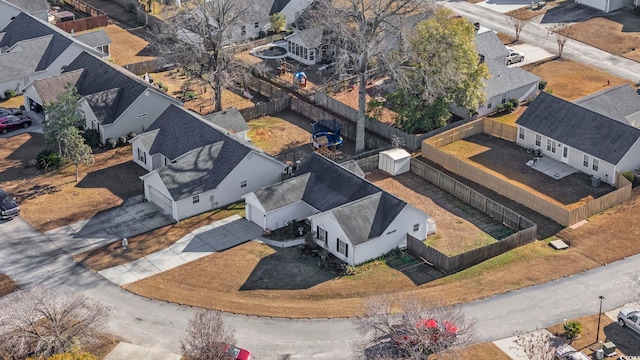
pixel 567 352
pixel 8 206
pixel 235 352
pixel 514 56
pixel 9 122
pixel 11 111
pixel 630 318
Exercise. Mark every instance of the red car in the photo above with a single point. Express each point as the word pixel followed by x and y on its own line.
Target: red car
pixel 235 352
pixel 10 122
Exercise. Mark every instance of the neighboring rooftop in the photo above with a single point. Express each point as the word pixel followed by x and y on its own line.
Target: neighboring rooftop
pixel 230 120
pixel 94 38
pixel 31 6
pixel 311 38
pixel 580 128
pixel 504 78
pixel 489 45
pixel 621 103
pixel 23 58
pixel 49 88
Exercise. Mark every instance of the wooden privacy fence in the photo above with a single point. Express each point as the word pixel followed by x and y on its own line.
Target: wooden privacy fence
pixel 525 229
pixel 97 18
pixel 268 108
pixel 560 214
pixel 265 89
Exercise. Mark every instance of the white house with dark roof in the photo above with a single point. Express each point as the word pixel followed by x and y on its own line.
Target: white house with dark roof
pixel 505 82
pixel 608 5
pixel 231 120
pixel 304 46
pixel 115 102
pixel 257 16
pixel 97 39
pixel 351 217
pixel 31 49
pixel 201 167
pixel 580 136
pixel 36 8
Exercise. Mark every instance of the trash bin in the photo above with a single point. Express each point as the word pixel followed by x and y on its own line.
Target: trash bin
pixel 599 354
pixel 595 181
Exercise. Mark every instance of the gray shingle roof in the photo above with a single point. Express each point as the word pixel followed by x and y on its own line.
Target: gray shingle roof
pixel 31 6
pixel 617 103
pixel 353 166
pixel 202 169
pixel 489 45
pixel 504 78
pixel 94 38
pixel 23 58
pixel 49 88
pixel 311 38
pixel 25 27
pixel 282 194
pixel 98 76
pixel 327 186
pixel 103 104
pixel 177 131
pixel 277 6
pixel 580 128
pixel 230 119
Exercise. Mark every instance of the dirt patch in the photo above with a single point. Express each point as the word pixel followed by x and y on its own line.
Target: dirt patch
pixel 483 351
pixel 571 80
pixel 139 246
pixel 14 102
pixel 615 34
pixel 127 48
pixel 509 118
pixel 350 97
pixel 7 285
pixel 53 199
pixel 460 227
pixel 507 161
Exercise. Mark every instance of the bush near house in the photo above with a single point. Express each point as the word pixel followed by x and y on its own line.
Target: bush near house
pixel 111 143
pixel 9 94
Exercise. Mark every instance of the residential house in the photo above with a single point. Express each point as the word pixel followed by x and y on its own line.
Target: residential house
pixel 351 217
pixel 97 39
pixel 203 178
pixel 8 12
pixel 115 102
pixel 36 8
pixel 31 49
pixel 230 120
pixel 607 5
pixel 258 13
pixel 304 46
pixel 506 82
pixel 598 143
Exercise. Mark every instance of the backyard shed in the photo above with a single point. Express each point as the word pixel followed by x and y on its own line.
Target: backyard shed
pixel 394 161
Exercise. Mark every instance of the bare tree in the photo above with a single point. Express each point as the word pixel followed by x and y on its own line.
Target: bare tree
pixel 404 325
pixel 539 345
pixel 517 24
pixel 206 337
pixel 44 322
pixel 561 33
pixel 198 39
pixel 361 34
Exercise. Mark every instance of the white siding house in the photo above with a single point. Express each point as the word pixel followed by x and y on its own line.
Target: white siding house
pixel 304 46
pixel 606 5
pixel 352 218
pixel 588 141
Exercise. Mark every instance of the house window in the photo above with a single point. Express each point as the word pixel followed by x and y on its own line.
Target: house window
pixel 243 183
pixel 322 235
pixel 312 55
pixel 196 199
pixel 305 53
pixel 595 164
pixel 551 145
pixel 255 25
pixel 489 105
pixel 342 247
pixel 585 161
pixel 538 140
pixel 521 133
pixel 504 98
pixel 243 30
pixel 416 227
pixel 142 156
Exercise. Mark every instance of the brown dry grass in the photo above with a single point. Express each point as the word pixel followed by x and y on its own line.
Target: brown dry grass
pixel 509 118
pixel 606 34
pixel 571 80
pixel 14 102
pixel 126 47
pixel 7 285
pixel 525 13
pixel 483 351
pixel 203 104
pixel 53 199
pixel 155 240
pixel 275 134
pixel 350 98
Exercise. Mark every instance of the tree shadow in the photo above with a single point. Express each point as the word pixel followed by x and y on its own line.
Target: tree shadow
pixel 123 180
pixel 413 268
pixel 286 269
pixel 569 12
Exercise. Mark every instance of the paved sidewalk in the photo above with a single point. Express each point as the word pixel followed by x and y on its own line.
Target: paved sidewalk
pixel 218 236
pixel 126 351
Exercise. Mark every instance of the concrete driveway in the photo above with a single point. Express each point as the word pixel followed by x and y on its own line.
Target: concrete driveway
pixel 503 6
pixel 531 53
pixel 132 218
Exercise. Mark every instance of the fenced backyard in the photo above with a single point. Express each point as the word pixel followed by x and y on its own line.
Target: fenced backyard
pixel 525 229
pixel 565 215
pixel 96 18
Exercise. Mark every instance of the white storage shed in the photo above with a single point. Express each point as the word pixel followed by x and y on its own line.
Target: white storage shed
pixel 394 161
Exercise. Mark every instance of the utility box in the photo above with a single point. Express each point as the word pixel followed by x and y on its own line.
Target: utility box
pixel 394 161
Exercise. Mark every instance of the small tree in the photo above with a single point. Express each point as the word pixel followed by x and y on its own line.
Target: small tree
pixel 43 322
pixel 62 114
pixel 411 327
pixel 204 337
pixel 74 149
pixel 517 24
pixel 539 345
pixel 561 33
pixel 278 22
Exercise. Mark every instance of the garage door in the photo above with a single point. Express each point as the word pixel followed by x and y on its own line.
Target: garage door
pixel 161 200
